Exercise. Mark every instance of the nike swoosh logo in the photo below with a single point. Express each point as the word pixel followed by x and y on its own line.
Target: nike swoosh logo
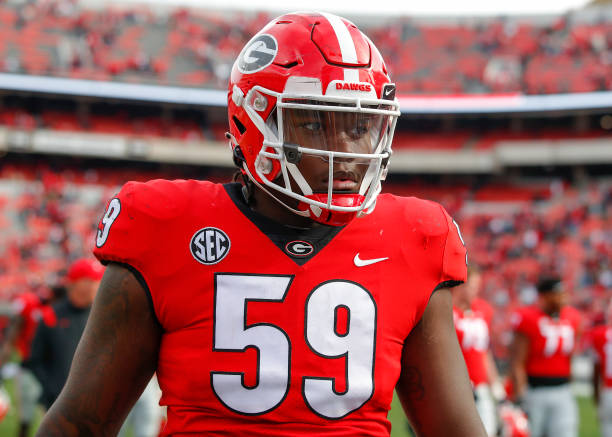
pixel 366 262
pixel 388 91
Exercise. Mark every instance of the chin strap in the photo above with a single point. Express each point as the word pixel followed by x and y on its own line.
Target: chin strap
pixel 237 155
pixel 265 190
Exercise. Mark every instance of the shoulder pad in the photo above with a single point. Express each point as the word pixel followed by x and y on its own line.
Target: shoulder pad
pixel 526 322
pixel 433 224
pixel 139 212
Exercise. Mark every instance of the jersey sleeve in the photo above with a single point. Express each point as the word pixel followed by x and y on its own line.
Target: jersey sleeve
pixel 122 230
pixel 578 323
pixel 592 343
pixel 432 246
pixel 134 225
pixel 485 309
pixel 454 260
pixel 521 322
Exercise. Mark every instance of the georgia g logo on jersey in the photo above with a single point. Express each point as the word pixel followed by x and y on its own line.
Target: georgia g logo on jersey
pixel 299 248
pixel 257 54
pixel 209 245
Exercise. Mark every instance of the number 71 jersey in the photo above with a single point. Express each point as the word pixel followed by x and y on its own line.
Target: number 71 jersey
pixel 552 340
pixel 270 330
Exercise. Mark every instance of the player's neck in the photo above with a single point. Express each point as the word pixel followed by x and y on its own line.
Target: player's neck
pixel 264 204
pixel 550 312
pixel 463 305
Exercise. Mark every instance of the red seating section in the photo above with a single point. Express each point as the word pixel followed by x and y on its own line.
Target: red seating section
pixel 197 48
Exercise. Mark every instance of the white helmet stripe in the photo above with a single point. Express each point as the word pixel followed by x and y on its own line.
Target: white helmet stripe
pixel 347 46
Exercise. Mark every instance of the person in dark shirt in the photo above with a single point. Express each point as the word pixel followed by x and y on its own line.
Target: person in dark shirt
pixel 54 345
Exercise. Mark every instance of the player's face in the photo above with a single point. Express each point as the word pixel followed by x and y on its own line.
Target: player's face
pixel 347 132
pixel 472 286
pixel 554 301
pixel 81 293
pixel 464 294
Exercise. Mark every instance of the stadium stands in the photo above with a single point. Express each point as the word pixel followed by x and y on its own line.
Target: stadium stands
pixel 117 121
pixel 563 54
pixel 192 125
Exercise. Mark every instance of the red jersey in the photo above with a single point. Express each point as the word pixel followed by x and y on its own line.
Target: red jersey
pixel 31 311
pixel 270 330
pixel 551 340
pixel 473 326
pixel 601 339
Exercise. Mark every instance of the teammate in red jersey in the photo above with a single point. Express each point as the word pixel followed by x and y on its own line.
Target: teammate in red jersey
pixel 601 341
pixel 293 303
pixel 472 317
pixel 544 340
pixel 28 310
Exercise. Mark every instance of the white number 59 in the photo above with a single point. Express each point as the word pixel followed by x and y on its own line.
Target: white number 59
pixel 356 344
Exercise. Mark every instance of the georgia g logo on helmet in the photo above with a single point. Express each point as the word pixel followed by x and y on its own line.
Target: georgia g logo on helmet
pixel 257 54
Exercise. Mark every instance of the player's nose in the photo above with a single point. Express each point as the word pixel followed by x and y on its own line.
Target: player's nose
pixel 345 144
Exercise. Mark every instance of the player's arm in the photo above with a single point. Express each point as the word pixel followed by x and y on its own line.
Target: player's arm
pixel 595 380
pixel 497 388
pixel 434 387
pixel 114 361
pixel 518 352
pixel 492 372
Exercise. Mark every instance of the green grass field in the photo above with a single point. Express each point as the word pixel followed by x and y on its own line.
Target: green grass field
pixel 588 419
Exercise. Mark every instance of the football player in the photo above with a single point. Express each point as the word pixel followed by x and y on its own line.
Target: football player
pixel 472 317
pixel 545 336
pixel 28 309
pixel 601 341
pixel 292 303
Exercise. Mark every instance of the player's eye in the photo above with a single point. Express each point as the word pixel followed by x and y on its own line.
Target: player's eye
pixel 360 130
pixel 313 126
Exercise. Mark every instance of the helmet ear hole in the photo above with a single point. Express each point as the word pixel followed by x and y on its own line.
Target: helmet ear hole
pixel 241 128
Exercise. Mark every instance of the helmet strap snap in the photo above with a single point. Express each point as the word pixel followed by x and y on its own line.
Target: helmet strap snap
pixel 292 153
pixel 238 156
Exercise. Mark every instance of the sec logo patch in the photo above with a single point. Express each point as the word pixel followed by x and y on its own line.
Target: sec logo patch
pixel 257 54
pixel 209 245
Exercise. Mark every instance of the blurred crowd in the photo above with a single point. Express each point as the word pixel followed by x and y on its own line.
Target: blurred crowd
pixel 197 126
pixel 536 55
pixel 48 219
pixel 518 232
pixel 568 233
pixel 119 122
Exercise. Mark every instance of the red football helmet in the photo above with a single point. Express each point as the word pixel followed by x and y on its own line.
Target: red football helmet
pixel 311 85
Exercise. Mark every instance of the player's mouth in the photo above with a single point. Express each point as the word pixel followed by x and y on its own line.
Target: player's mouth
pixel 344 185
pixel 343 181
